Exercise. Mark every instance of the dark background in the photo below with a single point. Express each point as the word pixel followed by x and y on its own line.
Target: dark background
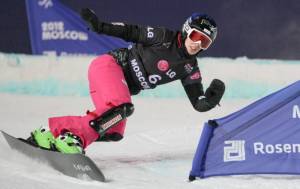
pixel 256 28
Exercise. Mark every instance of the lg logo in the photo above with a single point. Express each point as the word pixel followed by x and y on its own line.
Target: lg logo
pixel 234 150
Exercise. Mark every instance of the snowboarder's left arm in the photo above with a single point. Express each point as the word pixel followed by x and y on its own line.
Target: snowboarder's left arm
pixel 203 101
pixel 131 33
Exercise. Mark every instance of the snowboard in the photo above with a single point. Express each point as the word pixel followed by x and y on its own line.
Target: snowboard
pixel 74 165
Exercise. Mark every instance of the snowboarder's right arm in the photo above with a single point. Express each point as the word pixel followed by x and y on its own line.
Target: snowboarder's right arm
pixel 130 33
pixel 202 101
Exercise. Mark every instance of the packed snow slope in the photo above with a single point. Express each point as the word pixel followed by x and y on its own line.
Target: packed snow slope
pixel 161 136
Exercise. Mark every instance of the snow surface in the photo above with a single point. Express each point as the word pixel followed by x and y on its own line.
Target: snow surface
pixel 157 151
pixel 161 136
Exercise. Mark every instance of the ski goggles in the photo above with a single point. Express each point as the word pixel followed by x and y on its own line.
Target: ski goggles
pixel 199 37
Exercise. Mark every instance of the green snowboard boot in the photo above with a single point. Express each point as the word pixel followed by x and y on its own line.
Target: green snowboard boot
pixel 69 144
pixel 43 138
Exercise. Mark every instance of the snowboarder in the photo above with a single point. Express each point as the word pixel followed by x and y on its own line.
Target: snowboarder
pixel 157 56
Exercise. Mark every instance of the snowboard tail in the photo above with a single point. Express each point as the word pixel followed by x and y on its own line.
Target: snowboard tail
pixel 74 165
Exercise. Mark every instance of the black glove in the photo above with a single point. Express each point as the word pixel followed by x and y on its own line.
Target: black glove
pixel 91 18
pixel 215 92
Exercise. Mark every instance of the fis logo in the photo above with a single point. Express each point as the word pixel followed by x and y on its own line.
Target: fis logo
pixel 234 150
pixel 296 112
pixel 45 3
pixel 188 68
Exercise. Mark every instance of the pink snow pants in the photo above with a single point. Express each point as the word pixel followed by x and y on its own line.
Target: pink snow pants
pixel 108 89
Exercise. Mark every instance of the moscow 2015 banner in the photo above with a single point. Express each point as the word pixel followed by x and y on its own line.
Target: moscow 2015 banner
pixel 57 30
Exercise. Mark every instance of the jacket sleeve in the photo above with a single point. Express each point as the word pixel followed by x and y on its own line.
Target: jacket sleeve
pixel 194 89
pixel 137 34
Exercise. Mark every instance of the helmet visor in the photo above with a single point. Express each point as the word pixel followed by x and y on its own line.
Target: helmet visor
pixel 199 37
